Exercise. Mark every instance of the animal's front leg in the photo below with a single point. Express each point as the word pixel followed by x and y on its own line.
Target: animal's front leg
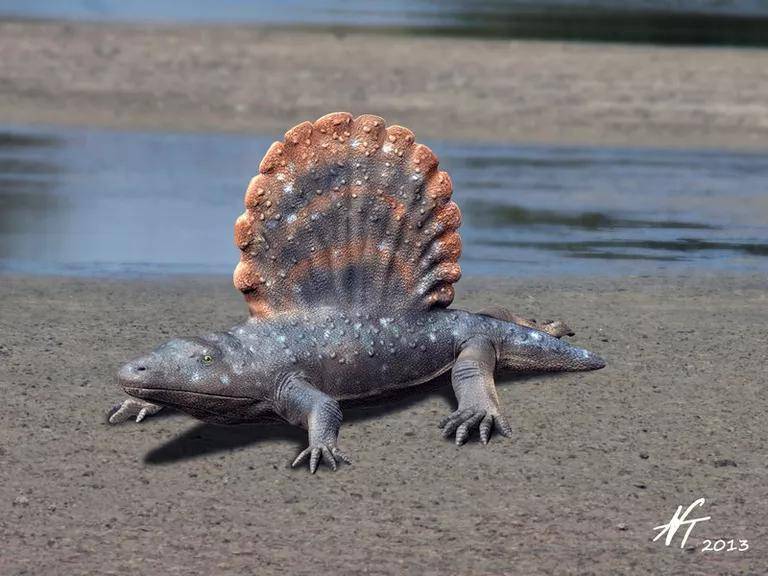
pixel 473 384
pixel 132 407
pixel 302 404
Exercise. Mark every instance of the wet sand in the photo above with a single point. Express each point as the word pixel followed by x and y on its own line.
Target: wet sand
pixel 597 459
pixel 243 79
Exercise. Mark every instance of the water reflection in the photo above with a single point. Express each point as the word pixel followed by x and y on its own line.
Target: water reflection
pixel 15 140
pixel 91 202
pixel 715 23
pixel 630 249
pixel 488 214
pixel 27 190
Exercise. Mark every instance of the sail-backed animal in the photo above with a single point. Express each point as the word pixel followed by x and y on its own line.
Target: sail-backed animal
pixel 349 251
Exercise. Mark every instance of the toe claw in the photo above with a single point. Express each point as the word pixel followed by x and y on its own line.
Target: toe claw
pixel 121 415
pixel 450 428
pixel 314 460
pixel 502 426
pixel 461 434
pixel 329 459
pixel 301 457
pixel 340 455
pixel 485 428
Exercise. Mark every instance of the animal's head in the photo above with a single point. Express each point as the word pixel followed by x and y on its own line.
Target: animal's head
pixel 524 349
pixel 200 376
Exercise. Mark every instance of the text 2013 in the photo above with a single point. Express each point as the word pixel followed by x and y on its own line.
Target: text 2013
pixel 721 545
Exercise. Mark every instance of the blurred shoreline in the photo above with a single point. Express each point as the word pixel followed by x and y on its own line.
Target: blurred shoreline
pixel 264 80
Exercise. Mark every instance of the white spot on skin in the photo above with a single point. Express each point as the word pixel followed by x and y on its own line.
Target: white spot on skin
pixel 288 187
pixel 535 336
pixel 291 218
pixel 385 321
pixel 387 147
pixel 432 337
pixel 584 354
pixel 224 379
pixel 280 177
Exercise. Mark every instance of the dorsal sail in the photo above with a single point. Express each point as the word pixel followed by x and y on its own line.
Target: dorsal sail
pixel 348 213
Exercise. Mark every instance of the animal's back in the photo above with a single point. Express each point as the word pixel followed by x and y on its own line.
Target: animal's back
pixel 356 355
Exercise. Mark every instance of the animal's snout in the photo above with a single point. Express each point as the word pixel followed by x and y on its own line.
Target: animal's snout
pixel 133 372
pixel 594 362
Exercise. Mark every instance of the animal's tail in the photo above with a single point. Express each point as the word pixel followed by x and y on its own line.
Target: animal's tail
pixel 525 349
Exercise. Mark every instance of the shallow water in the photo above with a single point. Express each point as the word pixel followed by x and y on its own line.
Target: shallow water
pixel 99 202
pixel 736 22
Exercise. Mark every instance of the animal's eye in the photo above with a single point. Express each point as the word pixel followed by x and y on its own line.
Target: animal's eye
pixel 207 359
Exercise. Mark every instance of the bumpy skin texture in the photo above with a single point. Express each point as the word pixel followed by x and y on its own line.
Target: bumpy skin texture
pixel 349 252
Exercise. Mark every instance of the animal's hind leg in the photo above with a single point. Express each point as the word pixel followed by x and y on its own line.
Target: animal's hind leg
pixel 556 328
pixel 475 389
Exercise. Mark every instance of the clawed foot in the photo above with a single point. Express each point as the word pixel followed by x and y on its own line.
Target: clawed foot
pixel 463 421
pixel 556 328
pixel 328 453
pixel 132 407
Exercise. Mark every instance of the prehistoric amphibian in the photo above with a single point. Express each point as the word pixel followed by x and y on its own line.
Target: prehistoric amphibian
pixel 349 251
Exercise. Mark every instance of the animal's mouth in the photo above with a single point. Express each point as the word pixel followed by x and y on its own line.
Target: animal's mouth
pixel 153 393
pixel 217 408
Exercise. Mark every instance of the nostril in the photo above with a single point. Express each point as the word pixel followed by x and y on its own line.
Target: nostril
pixel 141 368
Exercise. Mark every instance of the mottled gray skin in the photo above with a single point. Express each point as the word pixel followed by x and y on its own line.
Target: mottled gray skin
pixel 296 367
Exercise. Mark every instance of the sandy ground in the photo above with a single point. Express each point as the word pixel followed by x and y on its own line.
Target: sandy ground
pixel 266 80
pixel 597 459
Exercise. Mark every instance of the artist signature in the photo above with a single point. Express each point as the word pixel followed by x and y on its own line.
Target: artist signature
pixel 680 518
